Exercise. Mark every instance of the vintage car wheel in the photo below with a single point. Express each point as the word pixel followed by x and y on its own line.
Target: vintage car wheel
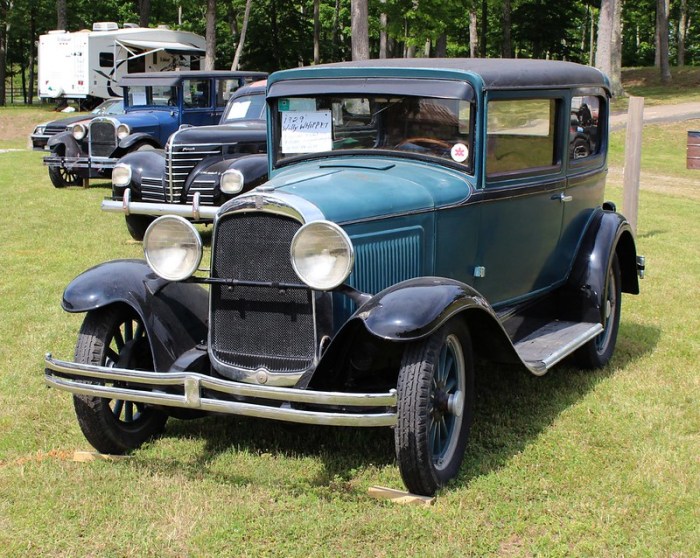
pixel 115 336
pixel 137 225
pixel 61 177
pixel 435 408
pixel 580 149
pixel 597 352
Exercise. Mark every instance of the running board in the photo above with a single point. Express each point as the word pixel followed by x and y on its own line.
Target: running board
pixel 543 348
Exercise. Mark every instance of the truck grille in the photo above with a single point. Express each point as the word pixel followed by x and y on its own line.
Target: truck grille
pixel 179 162
pixel 258 326
pixel 103 138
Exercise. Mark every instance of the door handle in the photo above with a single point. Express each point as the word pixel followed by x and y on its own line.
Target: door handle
pixel 563 198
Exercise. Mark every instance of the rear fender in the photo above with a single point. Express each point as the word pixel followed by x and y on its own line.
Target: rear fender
pixel 174 314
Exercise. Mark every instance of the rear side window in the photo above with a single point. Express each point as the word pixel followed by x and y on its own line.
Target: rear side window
pixel 196 93
pixel 584 126
pixel 521 135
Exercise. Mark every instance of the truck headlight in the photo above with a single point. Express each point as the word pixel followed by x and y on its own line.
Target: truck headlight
pixel 322 255
pixel 123 130
pixel 121 175
pixel 173 247
pixel 79 131
pixel 231 182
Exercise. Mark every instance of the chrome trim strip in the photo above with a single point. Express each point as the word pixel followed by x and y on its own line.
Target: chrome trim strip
pixel 128 207
pixel 192 384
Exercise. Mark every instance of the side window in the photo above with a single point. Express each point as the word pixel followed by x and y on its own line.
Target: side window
pixel 106 59
pixel 520 135
pixel 196 93
pixel 584 131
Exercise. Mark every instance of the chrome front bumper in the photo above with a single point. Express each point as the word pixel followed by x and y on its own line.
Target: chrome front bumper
pixel 195 211
pixel 80 162
pixel 185 390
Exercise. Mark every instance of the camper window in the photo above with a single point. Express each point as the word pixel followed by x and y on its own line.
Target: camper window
pixel 106 59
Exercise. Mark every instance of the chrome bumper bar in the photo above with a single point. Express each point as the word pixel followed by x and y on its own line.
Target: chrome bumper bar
pixel 185 390
pixel 80 162
pixel 195 211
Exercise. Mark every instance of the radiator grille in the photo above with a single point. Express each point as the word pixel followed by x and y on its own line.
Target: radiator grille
pixel 103 138
pixel 179 162
pixel 152 189
pixel 254 326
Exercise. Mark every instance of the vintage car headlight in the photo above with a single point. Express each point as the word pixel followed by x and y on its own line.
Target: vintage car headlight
pixel 121 175
pixel 79 131
pixel 123 130
pixel 39 130
pixel 173 247
pixel 231 181
pixel 322 255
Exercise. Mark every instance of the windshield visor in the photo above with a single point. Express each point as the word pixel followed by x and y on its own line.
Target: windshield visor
pixel 404 125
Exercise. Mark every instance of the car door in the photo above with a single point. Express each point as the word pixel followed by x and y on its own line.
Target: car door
pixel 198 102
pixel 521 205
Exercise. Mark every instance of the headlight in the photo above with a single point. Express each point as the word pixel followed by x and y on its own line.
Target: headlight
pixel 122 131
pixel 173 247
pixel 231 182
pixel 322 255
pixel 121 175
pixel 39 130
pixel 79 131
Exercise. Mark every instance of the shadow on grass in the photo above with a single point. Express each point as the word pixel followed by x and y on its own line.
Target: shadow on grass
pixel 512 408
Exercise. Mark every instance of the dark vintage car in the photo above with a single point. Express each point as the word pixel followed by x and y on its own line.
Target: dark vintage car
pixel 419 213
pixel 200 168
pixel 44 131
pixel 155 104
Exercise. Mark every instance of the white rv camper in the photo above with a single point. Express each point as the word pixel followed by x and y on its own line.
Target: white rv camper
pixel 86 65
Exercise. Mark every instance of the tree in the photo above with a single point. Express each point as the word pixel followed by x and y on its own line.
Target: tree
pixel 360 29
pixel 5 6
pixel 608 47
pixel 61 14
pixel 144 12
pixel 210 56
pixel 662 7
pixel 507 48
pixel 682 31
pixel 241 37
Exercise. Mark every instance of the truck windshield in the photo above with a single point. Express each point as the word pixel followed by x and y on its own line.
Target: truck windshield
pixel 423 126
pixel 245 107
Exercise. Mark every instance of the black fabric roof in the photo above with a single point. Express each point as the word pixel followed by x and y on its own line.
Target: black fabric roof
pixel 172 77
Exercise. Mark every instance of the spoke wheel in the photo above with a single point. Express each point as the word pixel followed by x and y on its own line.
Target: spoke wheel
pixel 597 352
pixel 435 408
pixel 115 337
pixel 61 177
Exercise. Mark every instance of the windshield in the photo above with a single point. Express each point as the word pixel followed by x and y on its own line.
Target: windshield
pixel 245 107
pixel 110 107
pixel 408 125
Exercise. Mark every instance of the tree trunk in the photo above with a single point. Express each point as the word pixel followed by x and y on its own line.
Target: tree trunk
pixel 616 51
pixel 61 14
pixel 484 27
pixel 210 37
pixel 591 46
pixel 473 33
pixel 382 33
pixel 507 50
pixel 32 50
pixel 241 38
pixel 662 33
pixel 441 46
pixel 359 24
pixel 603 54
pixel 317 32
pixel 335 36
pixel 682 31
pixel 5 6
pixel 144 12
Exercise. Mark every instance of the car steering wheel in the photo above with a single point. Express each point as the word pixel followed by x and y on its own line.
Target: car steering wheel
pixel 429 143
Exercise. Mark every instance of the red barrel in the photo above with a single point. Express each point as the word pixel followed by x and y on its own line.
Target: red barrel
pixel 693 157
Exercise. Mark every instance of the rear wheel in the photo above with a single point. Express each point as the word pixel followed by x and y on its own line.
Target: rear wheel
pixel 137 225
pixel 598 351
pixel 115 337
pixel 61 177
pixel 435 408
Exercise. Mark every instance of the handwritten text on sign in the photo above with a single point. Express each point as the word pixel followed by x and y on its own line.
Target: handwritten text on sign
pixel 307 132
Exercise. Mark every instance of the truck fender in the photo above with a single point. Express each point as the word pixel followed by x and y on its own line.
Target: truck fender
pixel 138 137
pixel 608 233
pixel 64 144
pixel 174 314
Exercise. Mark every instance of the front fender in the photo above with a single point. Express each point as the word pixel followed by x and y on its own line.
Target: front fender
pixel 132 139
pixel 149 163
pixel 252 167
pixel 174 314
pixel 65 144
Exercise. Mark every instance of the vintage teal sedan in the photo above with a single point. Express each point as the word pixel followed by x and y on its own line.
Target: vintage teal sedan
pixel 418 213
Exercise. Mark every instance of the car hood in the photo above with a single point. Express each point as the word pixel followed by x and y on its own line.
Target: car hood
pixel 143 121
pixel 248 130
pixel 63 123
pixel 349 189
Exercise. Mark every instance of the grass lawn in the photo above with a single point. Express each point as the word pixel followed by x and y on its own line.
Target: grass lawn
pixel 576 463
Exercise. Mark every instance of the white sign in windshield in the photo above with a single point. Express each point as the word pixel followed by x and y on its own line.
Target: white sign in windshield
pixel 238 110
pixel 307 131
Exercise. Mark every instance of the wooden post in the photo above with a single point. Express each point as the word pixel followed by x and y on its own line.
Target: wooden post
pixel 633 157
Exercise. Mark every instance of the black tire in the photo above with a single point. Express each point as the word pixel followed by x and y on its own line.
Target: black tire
pixel 598 352
pixel 61 177
pixel 435 408
pixel 580 149
pixel 137 225
pixel 115 336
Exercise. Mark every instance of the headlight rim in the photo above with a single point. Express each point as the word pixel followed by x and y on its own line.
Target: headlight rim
pixel 199 246
pixel 115 172
pixel 79 131
pixel 231 172
pixel 124 126
pixel 350 254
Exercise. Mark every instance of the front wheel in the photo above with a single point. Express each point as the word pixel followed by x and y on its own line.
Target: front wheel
pixel 61 177
pixel 115 337
pixel 598 351
pixel 435 408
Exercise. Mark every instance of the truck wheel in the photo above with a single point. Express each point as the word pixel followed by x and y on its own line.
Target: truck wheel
pixel 115 336
pixel 61 177
pixel 137 225
pixel 598 351
pixel 435 408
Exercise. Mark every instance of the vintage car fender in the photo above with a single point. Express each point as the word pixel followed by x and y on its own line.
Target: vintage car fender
pixel 138 137
pixel 608 233
pixel 65 145
pixel 174 314
pixel 150 163
pixel 252 167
